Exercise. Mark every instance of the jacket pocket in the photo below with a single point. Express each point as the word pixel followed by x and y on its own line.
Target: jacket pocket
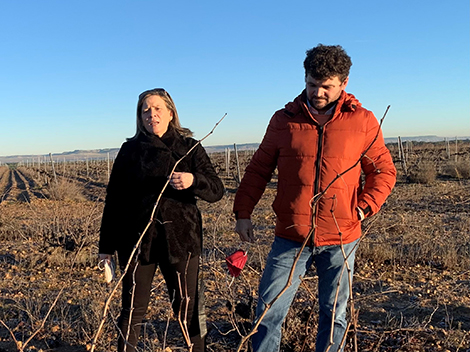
pixel 277 203
pixel 342 203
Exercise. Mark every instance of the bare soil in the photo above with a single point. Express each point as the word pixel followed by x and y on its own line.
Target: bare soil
pixel 411 284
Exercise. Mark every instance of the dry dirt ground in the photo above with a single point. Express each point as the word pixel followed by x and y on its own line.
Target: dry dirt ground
pixel 411 284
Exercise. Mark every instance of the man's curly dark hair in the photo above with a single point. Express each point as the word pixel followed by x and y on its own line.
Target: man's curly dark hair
pixel 326 61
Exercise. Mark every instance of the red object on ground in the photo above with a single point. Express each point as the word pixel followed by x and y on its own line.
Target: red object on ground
pixel 236 262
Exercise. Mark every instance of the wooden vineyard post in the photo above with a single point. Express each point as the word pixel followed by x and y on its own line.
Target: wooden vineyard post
pixel 399 150
pixel 456 148
pixel 109 168
pixel 53 169
pixel 238 164
pixel 409 149
pixel 403 157
pixel 227 161
pixel 446 141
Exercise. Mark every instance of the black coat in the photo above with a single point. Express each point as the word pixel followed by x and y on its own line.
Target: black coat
pixel 140 171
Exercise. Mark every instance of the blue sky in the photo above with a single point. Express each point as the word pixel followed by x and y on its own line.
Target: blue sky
pixel 71 71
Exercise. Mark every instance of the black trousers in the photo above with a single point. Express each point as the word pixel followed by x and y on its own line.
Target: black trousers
pixel 138 296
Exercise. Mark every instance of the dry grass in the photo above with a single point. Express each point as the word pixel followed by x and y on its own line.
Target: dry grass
pixel 423 172
pixel 459 169
pixel 66 190
pixel 58 249
pixel 412 282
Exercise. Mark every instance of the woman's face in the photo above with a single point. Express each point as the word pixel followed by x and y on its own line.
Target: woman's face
pixel 155 115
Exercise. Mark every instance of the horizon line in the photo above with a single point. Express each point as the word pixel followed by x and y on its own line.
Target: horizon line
pixel 98 150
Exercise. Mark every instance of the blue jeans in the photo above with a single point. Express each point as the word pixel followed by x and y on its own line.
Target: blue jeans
pixel 329 262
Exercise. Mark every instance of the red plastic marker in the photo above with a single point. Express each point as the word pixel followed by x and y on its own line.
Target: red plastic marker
pixel 236 262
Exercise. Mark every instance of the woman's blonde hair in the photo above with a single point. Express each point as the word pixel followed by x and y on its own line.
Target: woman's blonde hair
pixel 170 104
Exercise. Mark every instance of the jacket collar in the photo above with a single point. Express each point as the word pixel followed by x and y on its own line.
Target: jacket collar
pixel 164 142
pixel 346 103
pixel 171 141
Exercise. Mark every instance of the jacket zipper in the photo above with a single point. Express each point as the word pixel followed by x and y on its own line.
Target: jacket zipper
pixel 316 187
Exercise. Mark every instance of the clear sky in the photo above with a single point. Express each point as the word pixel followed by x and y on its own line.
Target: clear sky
pixel 71 71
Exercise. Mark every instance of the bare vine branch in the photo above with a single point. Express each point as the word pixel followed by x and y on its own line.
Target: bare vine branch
pixel 139 241
pixel 183 322
pixel 20 345
pixel 322 193
pixel 313 203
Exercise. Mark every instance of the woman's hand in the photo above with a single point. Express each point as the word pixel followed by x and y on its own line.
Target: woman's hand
pixel 181 180
pixel 105 256
pixel 107 264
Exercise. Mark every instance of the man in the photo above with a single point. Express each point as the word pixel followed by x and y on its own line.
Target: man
pixel 318 136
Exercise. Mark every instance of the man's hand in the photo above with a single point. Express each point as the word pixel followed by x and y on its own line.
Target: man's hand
pixel 244 228
pixel 181 180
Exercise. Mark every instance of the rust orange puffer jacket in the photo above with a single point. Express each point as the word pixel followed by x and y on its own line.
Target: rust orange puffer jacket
pixel 309 157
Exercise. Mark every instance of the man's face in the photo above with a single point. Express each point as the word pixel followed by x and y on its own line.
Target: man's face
pixel 323 93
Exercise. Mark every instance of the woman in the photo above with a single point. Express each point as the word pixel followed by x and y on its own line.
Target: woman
pixel 174 239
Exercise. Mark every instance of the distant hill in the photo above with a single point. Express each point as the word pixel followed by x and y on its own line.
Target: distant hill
pixel 102 154
pixel 65 156
pixel 429 139
pixel 221 148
